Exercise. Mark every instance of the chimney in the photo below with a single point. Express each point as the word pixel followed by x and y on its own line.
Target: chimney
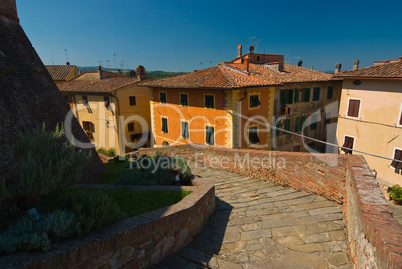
pixel 100 71
pixel 246 65
pixel 140 73
pixel 356 64
pixel 8 9
pixel 274 66
pixel 338 68
pixel 239 51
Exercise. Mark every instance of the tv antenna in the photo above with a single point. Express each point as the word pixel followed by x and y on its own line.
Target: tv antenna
pixel 65 50
pixel 114 55
pixel 51 52
pixel 107 62
pixel 122 66
pixel 254 42
pixel 100 63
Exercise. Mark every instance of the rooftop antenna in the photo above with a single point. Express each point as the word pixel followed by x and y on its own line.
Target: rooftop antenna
pixel 51 52
pixel 254 42
pixel 122 66
pixel 295 58
pixel 107 62
pixel 65 50
pixel 100 63
pixel 114 55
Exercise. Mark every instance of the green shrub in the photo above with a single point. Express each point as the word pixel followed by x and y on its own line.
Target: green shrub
pixel 186 174
pixel 92 208
pixel 136 177
pixel 108 152
pixel 30 234
pixel 396 192
pixel 46 162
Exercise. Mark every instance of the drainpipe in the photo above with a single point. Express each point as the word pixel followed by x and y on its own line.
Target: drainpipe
pixel 75 107
pixel 119 135
pixel 239 118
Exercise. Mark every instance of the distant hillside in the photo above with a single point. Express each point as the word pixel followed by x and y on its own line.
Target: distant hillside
pixel 150 74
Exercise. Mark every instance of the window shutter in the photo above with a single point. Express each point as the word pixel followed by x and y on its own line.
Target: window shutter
pixel 307 95
pixel 283 97
pixel 296 99
pixel 288 124
pixel 348 143
pixel 353 109
pixel 316 94
pixel 397 156
pixel 92 126
pixel 400 120
pixel 297 125
pixel 290 97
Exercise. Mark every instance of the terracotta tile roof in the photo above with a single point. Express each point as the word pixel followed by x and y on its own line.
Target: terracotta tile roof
pixel 59 72
pixel 231 75
pixel 105 85
pixel 391 70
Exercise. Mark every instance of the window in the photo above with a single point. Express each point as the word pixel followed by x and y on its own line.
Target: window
pixel 327 118
pixel 88 126
pixel 209 135
pixel 106 101
pixel 288 124
pixel 296 148
pixel 330 92
pixel 296 96
pixel 353 109
pixel 165 125
pixel 183 99
pixel 253 135
pixel 397 156
pixel 280 124
pixel 306 95
pixel 135 137
pixel 131 127
pixel 184 129
pixel 254 100
pixel 209 101
pixel 316 93
pixel 286 97
pixel 313 123
pixel 162 97
pixel 84 99
pixel 348 145
pixel 132 101
pixel 400 119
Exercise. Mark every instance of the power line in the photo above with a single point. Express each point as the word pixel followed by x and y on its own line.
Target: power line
pixel 306 137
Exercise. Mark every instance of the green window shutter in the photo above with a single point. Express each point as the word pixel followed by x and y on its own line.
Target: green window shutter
pixel 283 97
pixel 304 118
pixel 316 93
pixel 288 124
pixel 307 95
pixel 290 97
pixel 296 96
pixel 278 125
pixel 313 123
pixel 297 125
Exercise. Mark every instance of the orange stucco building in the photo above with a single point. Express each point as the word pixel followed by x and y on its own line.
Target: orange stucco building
pixel 202 107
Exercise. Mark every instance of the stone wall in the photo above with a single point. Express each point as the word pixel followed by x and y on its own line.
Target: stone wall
pixel 133 243
pixel 314 173
pixel 375 237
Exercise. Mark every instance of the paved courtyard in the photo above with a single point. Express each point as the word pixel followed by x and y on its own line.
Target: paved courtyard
pixel 260 225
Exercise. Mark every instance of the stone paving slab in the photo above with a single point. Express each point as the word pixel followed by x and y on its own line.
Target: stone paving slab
pixel 261 225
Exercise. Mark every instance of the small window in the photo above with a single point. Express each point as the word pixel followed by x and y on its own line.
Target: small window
pixel 296 148
pixel 183 99
pixel 88 126
pixel 209 101
pixel 209 135
pixel 353 109
pixel 132 101
pixel 184 129
pixel 286 97
pixel 84 99
pixel 258 58
pixel 131 127
pixel 254 101
pixel 281 125
pixel 306 95
pixel 313 124
pixel 296 96
pixel 106 101
pixel 330 93
pixel 397 156
pixel 165 125
pixel 253 135
pixel 348 145
pixel 316 93
pixel 298 125
pixel 162 97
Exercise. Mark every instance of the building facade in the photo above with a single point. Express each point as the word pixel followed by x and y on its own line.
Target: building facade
pixel 370 116
pixel 111 108
pixel 233 104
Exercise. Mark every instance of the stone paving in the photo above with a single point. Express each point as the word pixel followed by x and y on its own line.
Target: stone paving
pixel 261 225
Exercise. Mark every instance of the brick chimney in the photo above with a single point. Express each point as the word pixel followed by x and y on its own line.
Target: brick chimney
pixel 140 73
pixel 356 64
pixel 8 9
pixel 239 51
pixel 100 71
pixel 338 68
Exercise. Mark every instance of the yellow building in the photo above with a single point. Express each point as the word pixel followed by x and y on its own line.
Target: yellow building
pixel 111 108
pixel 62 73
pixel 370 116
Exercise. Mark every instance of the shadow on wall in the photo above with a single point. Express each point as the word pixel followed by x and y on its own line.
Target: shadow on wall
pixel 206 244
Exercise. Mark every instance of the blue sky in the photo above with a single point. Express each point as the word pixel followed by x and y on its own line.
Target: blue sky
pixel 179 35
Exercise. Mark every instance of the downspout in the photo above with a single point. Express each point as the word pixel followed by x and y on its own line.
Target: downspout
pixel 239 119
pixel 75 108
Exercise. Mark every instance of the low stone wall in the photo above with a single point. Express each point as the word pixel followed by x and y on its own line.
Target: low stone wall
pixel 323 174
pixel 133 243
pixel 375 237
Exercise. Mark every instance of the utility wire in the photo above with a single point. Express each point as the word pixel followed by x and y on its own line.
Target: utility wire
pixel 306 137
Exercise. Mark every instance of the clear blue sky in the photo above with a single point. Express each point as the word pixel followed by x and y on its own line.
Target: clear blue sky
pixel 178 35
